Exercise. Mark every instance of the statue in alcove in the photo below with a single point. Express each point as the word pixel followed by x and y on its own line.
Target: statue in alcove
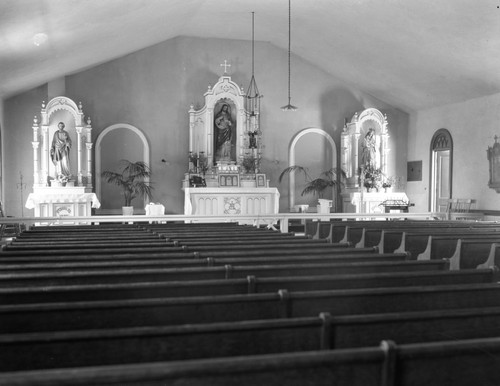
pixel 369 150
pixel 59 152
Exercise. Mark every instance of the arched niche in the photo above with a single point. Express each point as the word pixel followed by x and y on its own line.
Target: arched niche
pixel 293 156
pixel 114 143
pixel 352 143
pixel 62 109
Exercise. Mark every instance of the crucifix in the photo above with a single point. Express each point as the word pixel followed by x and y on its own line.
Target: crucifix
pixel 225 65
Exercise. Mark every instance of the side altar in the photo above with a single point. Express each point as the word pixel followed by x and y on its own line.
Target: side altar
pixel 62 161
pixel 225 150
pixel 364 160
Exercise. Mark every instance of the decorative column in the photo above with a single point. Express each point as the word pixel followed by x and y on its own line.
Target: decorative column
pixel 384 146
pixel 356 158
pixel 191 128
pixel 88 144
pixel 45 154
pixel 241 119
pixel 89 164
pixel 78 130
pixel 345 154
pixel 35 143
pixel 210 135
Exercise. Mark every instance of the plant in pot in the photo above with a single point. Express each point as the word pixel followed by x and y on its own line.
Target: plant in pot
pixel 331 178
pixel 131 181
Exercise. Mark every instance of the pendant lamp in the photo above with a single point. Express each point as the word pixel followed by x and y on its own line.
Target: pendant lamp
pixel 289 106
pixel 253 96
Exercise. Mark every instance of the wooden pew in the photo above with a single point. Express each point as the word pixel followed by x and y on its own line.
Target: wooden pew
pixel 237 242
pixel 369 233
pixel 249 237
pixel 95 254
pixel 211 340
pixel 248 285
pixel 33 247
pixel 276 243
pixel 124 275
pixel 21 318
pixel 13 265
pixel 397 239
pixel 475 253
pixel 68 239
pixel 331 249
pixel 438 244
pixel 458 363
pixel 172 252
pixel 252 247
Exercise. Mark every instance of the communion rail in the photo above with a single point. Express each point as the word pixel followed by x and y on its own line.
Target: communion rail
pixel 277 221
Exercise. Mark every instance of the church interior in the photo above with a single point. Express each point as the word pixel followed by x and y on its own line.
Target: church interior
pixel 330 115
pixel 137 67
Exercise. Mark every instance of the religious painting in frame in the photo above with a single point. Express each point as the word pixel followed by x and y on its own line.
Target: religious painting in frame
pixel 229 180
pixel 225 131
pixel 260 178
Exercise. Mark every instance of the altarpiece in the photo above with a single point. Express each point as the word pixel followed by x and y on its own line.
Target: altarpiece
pixel 225 150
pixel 62 161
pixel 364 154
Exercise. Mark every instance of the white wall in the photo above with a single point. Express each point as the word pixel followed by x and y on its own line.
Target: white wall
pixel 473 125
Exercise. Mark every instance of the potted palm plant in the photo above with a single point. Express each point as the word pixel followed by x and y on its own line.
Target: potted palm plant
pixel 317 186
pixel 133 182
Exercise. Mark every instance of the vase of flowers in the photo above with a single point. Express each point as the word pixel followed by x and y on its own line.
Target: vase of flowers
pixel 371 178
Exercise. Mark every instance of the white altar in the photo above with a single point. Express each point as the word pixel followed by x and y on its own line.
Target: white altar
pixel 62 201
pixel 231 201
pixel 225 151
pixel 58 192
pixel 363 202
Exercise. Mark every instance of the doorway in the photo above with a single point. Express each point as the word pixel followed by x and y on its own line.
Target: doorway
pixel 441 176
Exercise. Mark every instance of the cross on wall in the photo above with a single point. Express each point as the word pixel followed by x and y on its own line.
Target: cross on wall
pixel 225 65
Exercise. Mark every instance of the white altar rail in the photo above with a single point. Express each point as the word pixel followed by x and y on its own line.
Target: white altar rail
pixel 260 220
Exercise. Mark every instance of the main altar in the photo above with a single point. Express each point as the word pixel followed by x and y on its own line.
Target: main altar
pixel 62 161
pixel 223 175
pixel 364 160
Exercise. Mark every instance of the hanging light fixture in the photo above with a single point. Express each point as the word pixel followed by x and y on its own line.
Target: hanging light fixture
pixel 253 96
pixel 289 106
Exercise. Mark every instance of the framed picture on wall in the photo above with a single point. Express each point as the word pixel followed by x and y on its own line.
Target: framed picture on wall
pixel 261 180
pixel 229 180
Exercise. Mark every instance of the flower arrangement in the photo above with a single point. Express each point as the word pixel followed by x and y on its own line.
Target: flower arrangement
pixel 198 162
pixel 389 182
pixel 248 163
pixel 63 179
pixel 372 178
pixel 202 163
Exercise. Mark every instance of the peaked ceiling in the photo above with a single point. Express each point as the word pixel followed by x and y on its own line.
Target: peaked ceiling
pixel 411 54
